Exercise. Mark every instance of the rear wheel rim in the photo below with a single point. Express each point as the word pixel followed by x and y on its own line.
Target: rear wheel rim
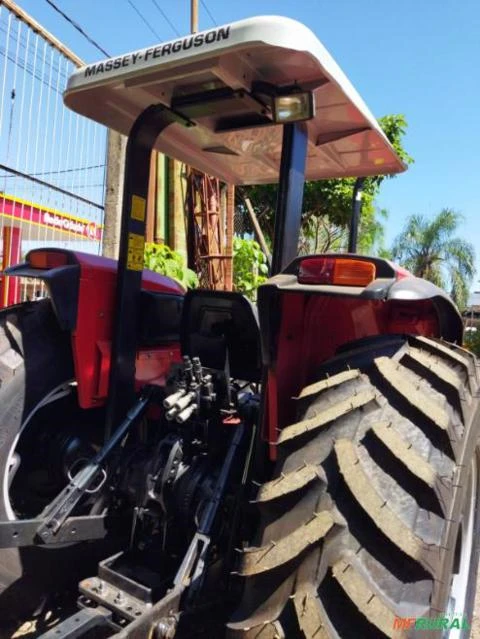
pixel 59 392
pixel 459 592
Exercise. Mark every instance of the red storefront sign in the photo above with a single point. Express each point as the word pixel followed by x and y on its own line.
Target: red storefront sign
pixel 29 213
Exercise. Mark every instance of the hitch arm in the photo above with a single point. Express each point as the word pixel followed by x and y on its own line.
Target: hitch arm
pixel 192 570
pixel 55 522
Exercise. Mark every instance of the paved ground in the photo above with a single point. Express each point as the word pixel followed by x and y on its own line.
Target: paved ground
pixel 29 629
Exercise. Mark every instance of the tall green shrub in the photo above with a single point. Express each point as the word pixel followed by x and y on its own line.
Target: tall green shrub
pixel 162 259
pixel 250 267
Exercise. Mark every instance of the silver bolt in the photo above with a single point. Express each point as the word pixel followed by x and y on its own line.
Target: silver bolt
pixel 166 628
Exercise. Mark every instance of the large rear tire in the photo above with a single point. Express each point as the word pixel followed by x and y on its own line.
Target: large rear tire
pixel 35 368
pixel 371 513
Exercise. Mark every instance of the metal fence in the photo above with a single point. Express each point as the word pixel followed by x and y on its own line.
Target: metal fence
pixel 52 161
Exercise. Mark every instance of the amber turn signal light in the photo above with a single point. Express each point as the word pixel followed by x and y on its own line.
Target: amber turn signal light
pixel 337 271
pixel 39 258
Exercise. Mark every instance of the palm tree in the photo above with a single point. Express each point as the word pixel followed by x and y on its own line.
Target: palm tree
pixel 428 248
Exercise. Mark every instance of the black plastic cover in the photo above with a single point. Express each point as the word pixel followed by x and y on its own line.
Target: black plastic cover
pixel 216 321
pixel 449 318
pixel 62 284
pixel 159 318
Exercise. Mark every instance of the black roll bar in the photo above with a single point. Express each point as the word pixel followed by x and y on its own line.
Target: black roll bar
pixel 356 210
pixel 288 214
pixel 145 130
pixel 143 134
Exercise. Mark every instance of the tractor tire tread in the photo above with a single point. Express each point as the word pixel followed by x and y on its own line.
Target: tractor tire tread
pixel 378 461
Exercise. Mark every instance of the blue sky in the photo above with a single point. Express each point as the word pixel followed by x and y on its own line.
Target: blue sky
pixel 417 57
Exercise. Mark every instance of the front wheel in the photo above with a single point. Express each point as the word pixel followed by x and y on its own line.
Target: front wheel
pixel 369 525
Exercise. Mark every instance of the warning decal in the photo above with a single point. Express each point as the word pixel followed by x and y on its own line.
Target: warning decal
pixel 137 212
pixel 135 252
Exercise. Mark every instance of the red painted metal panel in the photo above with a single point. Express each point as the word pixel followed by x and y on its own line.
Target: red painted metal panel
pixel 313 327
pixel 91 340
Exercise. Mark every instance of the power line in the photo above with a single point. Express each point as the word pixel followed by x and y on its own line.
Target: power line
pixel 81 168
pixel 204 5
pixel 167 19
pixel 77 27
pixel 23 45
pixel 85 186
pixel 72 170
pixel 4 167
pixel 143 19
pixel 23 64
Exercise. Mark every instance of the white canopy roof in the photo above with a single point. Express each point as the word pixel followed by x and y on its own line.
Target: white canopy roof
pixel 344 137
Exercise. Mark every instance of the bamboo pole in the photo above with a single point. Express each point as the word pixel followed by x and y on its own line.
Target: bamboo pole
pixel 229 211
pixel 258 230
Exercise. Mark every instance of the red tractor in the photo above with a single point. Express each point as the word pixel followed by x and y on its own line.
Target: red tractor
pixel 187 465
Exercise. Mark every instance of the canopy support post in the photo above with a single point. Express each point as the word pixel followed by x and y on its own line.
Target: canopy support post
pixel 356 210
pixel 143 134
pixel 290 195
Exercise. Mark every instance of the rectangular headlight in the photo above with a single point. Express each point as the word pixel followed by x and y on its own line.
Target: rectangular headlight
pixel 293 107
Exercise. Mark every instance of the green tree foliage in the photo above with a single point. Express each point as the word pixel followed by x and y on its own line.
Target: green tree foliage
pixel 162 259
pixel 327 204
pixel 471 340
pixel 249 267
pixel 429 248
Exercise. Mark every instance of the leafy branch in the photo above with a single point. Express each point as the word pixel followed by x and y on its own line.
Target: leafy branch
pixel 250 267
pixel 162 259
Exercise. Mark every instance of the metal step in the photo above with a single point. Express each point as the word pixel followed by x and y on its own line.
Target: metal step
pixel 80 623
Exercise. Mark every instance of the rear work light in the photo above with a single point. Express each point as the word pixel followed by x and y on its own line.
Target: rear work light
pixel 39 258
pixel 338 271
pixel 293 107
